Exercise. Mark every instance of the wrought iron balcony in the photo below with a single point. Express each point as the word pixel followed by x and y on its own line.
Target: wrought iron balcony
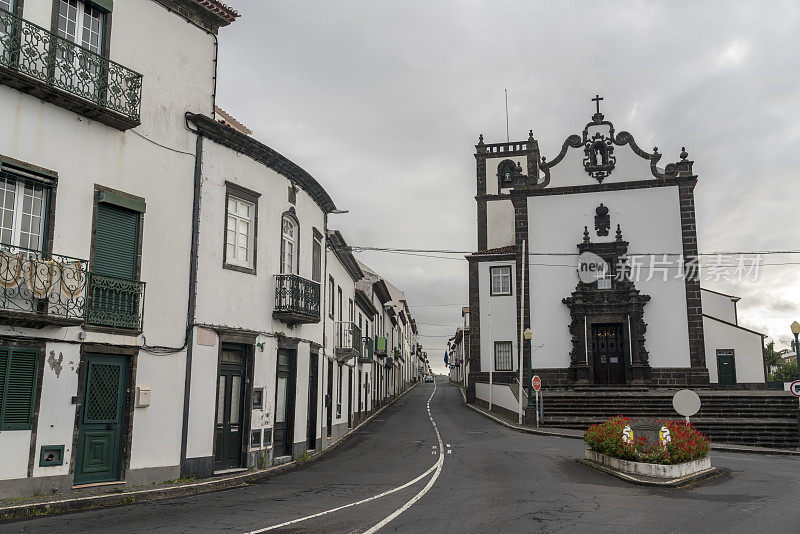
pixel 398 355
pixel 389 362
pixel 39 289
pixel 347 340
pixel 115 302
pixel 297 300
pixel 380 346
pixel 37 61
pixel 367 352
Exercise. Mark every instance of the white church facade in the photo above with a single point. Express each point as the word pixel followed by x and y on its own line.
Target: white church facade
pixel 641 320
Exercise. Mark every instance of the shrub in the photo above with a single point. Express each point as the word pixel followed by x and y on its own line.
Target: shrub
pixel 785 372
pixel 686 443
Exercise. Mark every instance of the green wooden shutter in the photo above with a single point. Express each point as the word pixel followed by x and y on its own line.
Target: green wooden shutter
pixel 116 241
pixel 19 388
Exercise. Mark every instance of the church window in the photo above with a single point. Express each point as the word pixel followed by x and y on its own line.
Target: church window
pixel 502 356
pixel 500 280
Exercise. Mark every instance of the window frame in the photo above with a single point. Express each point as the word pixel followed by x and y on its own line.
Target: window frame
pixel 295 268
pixel 245 195
pixel 316 259
pixel 510 355
pixel 105 45
pixel 496 268
pixel 331 296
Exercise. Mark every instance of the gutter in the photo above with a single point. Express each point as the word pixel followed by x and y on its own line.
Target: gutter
pixel 192 304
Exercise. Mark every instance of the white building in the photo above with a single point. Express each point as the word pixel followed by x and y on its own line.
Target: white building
pixel 96 162
pixel 172 301
pixel 640 318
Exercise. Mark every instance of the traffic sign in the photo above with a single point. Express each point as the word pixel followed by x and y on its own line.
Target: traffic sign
pixel 537 383
pixel 794 387
pixel 686 402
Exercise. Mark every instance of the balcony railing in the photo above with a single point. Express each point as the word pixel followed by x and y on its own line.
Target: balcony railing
pixel 115 302
pixel 297 300
pixel 367 352
pixel 380 346
pixel 56 62
pixel 51 287
pixel 347 340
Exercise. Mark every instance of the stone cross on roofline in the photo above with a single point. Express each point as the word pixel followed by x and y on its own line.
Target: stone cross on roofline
pixel 597 117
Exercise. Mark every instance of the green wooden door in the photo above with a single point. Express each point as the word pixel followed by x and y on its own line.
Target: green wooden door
pixel 99 454
pixel 726 367
pixel 115 299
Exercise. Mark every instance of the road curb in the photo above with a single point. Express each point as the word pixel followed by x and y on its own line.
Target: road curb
pixel 92 502
pixel 720 447
pixel 641 481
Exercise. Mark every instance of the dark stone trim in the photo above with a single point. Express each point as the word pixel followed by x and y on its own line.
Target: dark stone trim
pixel 236 336
pixel 247 195
pixel 364 302
pixel 474 354
pixel 613 186
pixel 494 257
pixel 265 155
pixel 483 239
pixel 342 250
pixel 488 197
pixel 694 305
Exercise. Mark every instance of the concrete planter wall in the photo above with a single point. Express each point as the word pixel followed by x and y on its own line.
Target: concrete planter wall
pixel 650 470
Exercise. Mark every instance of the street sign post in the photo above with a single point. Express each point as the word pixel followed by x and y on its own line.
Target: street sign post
pixel 537 385
pixel 794 388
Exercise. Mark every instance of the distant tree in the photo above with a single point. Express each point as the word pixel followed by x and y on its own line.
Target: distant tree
pixel 773 357
pixel 785 372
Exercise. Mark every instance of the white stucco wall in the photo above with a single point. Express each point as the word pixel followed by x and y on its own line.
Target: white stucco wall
pixel 747 350
pixel 84 152
pixel 650 222
pixel 501 395
pixel 499 223
pixel 719 306
pixel 498 316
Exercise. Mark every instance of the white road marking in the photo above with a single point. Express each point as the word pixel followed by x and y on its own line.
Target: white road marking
pixel 362 501
pixel 437 467
pixel 428 486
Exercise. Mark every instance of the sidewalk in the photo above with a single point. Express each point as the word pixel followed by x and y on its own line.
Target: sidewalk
pixel 106 496
pixel 578 434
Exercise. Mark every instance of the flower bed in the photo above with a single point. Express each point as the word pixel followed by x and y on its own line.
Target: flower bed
pixel 685 443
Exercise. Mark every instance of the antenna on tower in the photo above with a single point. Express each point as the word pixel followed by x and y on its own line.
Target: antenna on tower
pixel 508 138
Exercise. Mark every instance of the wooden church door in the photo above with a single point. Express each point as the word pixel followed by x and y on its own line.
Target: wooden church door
pixel 608 353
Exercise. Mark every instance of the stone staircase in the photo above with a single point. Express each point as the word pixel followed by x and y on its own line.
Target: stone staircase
pixel 759 418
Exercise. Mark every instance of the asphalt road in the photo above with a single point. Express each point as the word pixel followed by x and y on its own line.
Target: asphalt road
pixel 489 479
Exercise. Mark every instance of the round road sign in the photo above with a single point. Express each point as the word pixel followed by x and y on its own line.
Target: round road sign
pixel 537 383
pixel 686 402
pixel 794 387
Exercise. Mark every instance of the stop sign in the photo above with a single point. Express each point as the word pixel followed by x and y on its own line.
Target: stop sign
pixel 537 383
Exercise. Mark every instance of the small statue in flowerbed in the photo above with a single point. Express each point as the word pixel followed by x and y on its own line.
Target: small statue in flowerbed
pixel 677 441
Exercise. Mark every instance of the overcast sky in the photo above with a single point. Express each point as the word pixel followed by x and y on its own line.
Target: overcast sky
pixel 383 102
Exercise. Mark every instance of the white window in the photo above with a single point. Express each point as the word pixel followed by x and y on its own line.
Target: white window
pixel 240 232
pixel 81 23
pixel 22 206
pixel 289 245
pixel 316 259
pixel 502 356
pixel 500 280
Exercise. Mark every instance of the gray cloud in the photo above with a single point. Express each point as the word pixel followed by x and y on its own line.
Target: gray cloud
pixel 382 102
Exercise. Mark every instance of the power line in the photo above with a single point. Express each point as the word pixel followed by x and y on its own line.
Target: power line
pixel 353 248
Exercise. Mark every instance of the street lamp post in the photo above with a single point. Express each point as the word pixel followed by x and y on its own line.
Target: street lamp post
pixel 529 364
pixel 796 331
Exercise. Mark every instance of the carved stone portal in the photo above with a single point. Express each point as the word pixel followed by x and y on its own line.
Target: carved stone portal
pixel 621 305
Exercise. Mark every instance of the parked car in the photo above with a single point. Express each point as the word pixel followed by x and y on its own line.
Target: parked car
pixel 428 378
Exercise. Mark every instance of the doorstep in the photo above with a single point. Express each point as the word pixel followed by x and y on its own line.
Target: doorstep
pixel 98 484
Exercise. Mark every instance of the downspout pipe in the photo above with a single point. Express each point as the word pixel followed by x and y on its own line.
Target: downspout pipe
pixel 192 305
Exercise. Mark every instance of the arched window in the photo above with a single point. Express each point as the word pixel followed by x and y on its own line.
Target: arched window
pixel 289 238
